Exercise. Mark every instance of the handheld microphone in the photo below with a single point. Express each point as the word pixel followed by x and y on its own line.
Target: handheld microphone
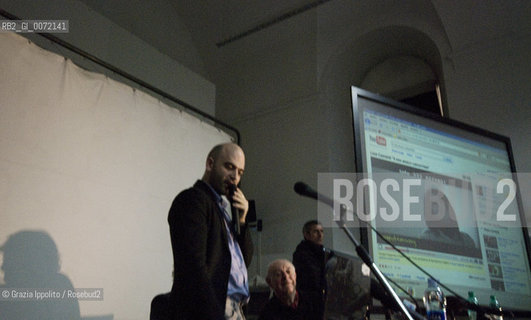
pixel 235 212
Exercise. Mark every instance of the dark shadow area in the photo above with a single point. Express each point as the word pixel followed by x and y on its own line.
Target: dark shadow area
pixel 34 286
pixel 160 306
pixel 427 101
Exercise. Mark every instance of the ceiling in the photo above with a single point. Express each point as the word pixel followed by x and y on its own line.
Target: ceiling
pixel 204 24
pixel 190 31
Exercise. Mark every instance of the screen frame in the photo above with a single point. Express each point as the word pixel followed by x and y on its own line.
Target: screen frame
pixel 358 93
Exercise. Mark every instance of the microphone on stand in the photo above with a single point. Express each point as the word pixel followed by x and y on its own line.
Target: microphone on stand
pixel 235 212
pixel 304 190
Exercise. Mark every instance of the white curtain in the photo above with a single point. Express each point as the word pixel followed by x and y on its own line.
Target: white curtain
pixel 95 165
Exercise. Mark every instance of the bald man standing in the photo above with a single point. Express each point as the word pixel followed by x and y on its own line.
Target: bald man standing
pixel 210 258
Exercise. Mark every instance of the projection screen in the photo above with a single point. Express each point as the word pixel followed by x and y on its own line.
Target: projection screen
pixel 91 166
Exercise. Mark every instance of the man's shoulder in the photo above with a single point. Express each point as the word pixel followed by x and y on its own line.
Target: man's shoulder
pixel 307 254
pixel 301 249
pixel 306 246
pixel 302 245
pixel 197 197
pixel 198 191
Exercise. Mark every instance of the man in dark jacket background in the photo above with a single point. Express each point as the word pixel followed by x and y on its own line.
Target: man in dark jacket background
pixel 309 260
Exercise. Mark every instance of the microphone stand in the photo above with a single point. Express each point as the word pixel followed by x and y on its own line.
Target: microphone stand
pixel 364 255
pixel 360 250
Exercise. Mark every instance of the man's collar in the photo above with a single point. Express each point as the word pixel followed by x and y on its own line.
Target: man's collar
pixel 216 195
pixel 295 303
pixel 207 189
pixel 312 244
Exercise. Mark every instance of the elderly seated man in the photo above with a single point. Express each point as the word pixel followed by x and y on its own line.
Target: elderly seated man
pixel 287 302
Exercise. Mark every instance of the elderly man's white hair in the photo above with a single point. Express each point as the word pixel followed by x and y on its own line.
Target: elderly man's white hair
pixel 273 264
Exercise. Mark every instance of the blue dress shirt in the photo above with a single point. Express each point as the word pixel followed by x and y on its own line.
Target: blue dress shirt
pixel 238 288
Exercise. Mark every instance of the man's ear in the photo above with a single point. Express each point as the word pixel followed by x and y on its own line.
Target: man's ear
pixel 209 163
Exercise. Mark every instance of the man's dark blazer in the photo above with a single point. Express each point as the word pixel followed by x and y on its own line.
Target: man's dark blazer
pixel 201 255
pixel 309 260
